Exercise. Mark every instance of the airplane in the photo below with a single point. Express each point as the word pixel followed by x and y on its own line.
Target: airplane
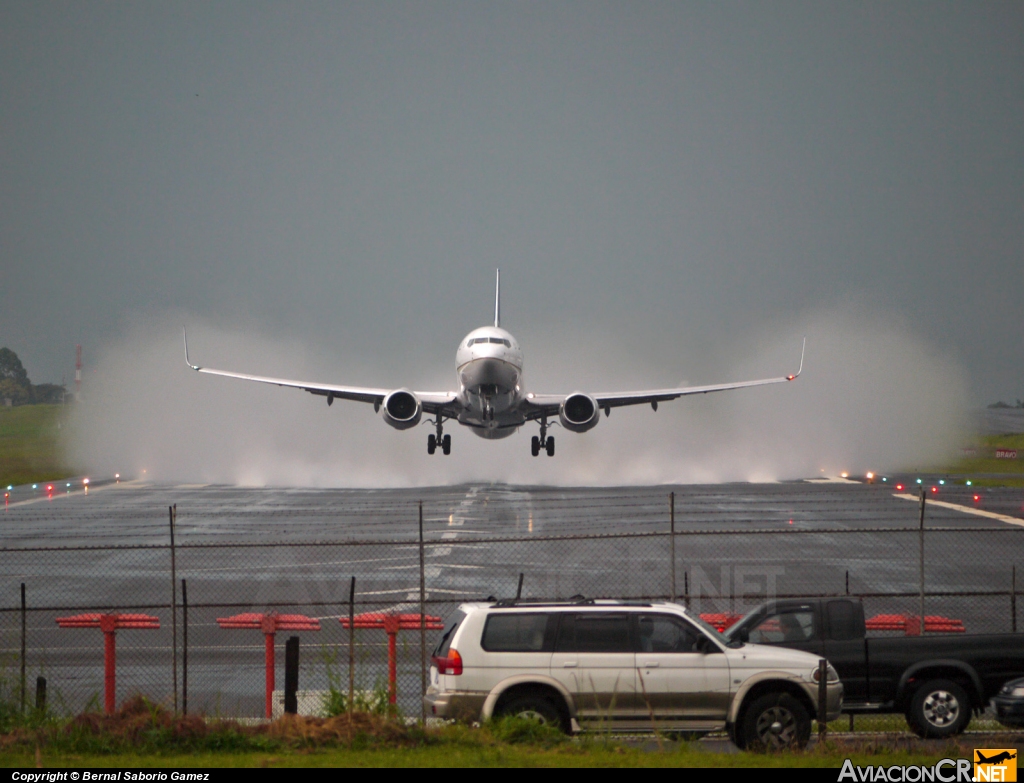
pixel 491 399
pixel 1004 756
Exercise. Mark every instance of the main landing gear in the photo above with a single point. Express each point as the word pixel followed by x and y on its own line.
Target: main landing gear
pixel 544 441
pixel 440 439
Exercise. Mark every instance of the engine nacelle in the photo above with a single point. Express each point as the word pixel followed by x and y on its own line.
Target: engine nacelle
pixel 402 409
pixel 579 412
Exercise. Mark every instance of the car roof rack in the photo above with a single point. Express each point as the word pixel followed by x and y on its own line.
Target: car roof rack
pixel 576 600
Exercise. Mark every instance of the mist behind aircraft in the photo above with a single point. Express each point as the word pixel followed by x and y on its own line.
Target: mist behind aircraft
pixel 873 397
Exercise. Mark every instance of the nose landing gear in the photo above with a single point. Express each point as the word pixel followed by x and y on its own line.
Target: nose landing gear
pixel 440 439
pixel 544 441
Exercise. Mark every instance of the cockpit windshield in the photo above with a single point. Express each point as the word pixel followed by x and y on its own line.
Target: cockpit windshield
pixel 493 340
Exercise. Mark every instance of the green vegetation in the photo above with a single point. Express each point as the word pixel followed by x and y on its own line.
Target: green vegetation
pixel 30 449
pixel 981 467
pixel 144 734
pixel 16 387
pixel 482 754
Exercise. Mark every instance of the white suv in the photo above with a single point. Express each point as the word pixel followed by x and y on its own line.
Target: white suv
pixel 623 666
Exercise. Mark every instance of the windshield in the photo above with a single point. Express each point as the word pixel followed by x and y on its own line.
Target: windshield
pixel 711 631
pixel 744 622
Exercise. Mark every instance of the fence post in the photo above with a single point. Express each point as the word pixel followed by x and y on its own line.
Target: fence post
pixel 423 628
pixel 1013 599
pixel 291 675
pixel 686 588
pixel 172 512
pixel 184 651
pixel 519 588
pixel 41 694
pixel 921 558
pixel 23 613
pixel 351 644
pixel 672 540
pixel 822 700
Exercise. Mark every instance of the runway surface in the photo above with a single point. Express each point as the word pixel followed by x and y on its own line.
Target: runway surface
pixel 295 550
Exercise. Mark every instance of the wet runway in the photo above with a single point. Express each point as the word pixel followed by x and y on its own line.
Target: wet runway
pixel 295 550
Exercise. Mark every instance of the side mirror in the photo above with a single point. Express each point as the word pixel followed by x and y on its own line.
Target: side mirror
pixel 743 635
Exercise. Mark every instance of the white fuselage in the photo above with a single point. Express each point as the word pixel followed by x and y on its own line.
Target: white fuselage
pixel 489 364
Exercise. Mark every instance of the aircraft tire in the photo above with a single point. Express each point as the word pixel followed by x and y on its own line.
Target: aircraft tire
pixel 535 446
pixel 446 445
pixel 431 444
pixel 551 446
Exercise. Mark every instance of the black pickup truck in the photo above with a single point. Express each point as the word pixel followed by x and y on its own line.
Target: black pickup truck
pixel 937 681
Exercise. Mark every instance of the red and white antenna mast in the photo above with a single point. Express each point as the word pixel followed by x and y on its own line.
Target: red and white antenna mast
pixel 78 372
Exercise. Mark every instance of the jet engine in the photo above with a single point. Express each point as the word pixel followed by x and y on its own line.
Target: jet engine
pixel 579 412
pixel 402 409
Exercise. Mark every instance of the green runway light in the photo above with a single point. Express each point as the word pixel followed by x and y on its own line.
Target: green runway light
pixel 968 482
pixel 942 481
pixel 919 481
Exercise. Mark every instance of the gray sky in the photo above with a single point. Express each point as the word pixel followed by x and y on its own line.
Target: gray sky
pixel 351 173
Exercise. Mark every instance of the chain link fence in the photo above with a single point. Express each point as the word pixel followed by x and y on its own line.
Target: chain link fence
pixel 433 564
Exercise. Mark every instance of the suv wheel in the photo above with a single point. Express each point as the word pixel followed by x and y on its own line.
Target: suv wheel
pixel 537 708
pixel 773 722
pixel 940 708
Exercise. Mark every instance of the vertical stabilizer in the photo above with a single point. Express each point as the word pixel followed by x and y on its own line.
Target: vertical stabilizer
pixel 497 298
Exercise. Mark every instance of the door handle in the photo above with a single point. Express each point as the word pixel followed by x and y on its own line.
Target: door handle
pixel 569 664
pixel 651 665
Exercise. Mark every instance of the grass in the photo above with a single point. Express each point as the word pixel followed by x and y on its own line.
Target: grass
pixel 30 448
pixel 984 470
pixel 574 754
pixel 143 734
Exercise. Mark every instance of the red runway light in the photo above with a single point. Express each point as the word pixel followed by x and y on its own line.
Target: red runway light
pixel 899 486
pixel 977 498
pixel 935 489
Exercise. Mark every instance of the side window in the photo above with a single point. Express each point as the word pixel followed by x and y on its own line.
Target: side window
pixel 515 632
pixel 446 641
pixel 842 621
pixel 594 633
pixel 790 625
pixel 663 633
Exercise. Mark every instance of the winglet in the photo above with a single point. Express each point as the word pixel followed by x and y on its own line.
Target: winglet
pixel 497 298
pixel 802 349
pixel 184 333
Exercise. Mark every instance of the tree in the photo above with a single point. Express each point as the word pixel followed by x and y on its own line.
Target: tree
pixel 48 393
pixel 10 390
pixel 12 369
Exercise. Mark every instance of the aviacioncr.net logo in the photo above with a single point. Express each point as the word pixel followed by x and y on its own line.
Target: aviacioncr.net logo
pixel 995 764
pixel 945 771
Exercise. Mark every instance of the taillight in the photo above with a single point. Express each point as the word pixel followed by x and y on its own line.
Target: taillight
pixel 451 664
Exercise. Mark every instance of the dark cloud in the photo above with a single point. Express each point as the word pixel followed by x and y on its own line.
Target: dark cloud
pixel 352 173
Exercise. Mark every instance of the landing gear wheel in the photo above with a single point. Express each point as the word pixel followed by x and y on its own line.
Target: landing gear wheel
pixel 773 722
pixel 536 708
pixel 535 446
pixel 446 445
pixel 551 446
pixel 940 708
pixel 431 444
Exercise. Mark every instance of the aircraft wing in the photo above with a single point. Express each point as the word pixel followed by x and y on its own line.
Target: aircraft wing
pixel 548 404
pixel 432 401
